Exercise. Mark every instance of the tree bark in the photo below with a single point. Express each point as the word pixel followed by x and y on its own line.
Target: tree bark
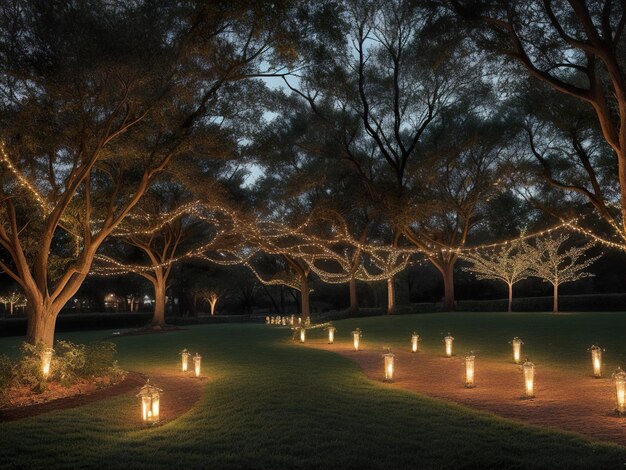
pixel 391 296
pixel 555 305
pixel 41 323
pixel 448 287
pixel 354 301
pixel 158 318
pixel 510 298
pixel 305 308
pixel 212 304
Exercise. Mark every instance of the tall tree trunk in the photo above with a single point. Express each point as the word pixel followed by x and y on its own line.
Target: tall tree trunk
pixel 391 296
pixel 41 323
pixel 158 318
pixel 304 297
pixel 448 287
pixel 510 297
pixel 212 304
pixel 555 305
pixel 354 301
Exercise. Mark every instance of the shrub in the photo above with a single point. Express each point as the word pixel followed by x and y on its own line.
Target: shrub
pixel 68 362
pixel 100 360
pixel 7 373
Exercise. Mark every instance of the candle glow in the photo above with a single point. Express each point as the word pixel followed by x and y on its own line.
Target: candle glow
pixel 469 370
pixel 596 360
pixel 529 378
pixel 517 349
pixel 415 342
pixel 448 341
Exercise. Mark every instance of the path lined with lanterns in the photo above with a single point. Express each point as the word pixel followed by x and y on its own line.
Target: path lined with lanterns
pixel 591 403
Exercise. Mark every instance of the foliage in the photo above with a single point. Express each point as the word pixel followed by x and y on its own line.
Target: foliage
pixel 7 373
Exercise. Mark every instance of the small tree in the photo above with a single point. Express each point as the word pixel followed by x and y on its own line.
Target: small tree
pixel 555 264
pixel 13 300
pixel 509 264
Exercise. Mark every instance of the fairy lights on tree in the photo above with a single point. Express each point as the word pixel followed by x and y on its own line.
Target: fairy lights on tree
pixel 509 264
pixel 555 261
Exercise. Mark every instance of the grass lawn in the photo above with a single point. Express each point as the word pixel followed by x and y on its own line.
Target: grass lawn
pixel 272 403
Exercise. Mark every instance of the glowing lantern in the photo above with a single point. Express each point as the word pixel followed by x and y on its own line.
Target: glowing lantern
pixel 469 370
pixel 331 334
pixel 197 359
pixel 149 395
pixel 529 378
pixel 302 335
pixel 517 349
pixel 619 376
pixel 356 338
pixel 596 360
pixel 415 338
pixel 389 365
pixel 448 340
pixel 185 359
pixel 46 359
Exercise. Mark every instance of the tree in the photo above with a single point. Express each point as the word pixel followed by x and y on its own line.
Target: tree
pixel 509 264
pixel 574 48
pixel 556 264
pixel 97 99
pixel 13 300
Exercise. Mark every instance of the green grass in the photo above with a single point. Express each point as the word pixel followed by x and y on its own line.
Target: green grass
pixel 275 404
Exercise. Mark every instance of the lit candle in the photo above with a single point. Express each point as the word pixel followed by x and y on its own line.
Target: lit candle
pixel 529 378
pixel 185 359
pixel 448 340
pixel 596 360
pixel 619 376
pixel 197 359
pixel 469 370
pixel 302 335
pixel 356 337
pixel 389 360
pixel 517 349
pixel 331 334
pixel 415 342
pixel 149 395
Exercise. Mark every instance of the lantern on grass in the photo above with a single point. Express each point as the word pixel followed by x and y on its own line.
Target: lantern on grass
pixel 185 359
pixel 389 365
pixel 302 334
pixel 596 360
pixel 149 395
pixel 448 340
pixel 469 369
pixel 197 360
pixel 517 349
pixel 331 334
pixel 356 338
pixel 46 359
pixel 529 378
pixel 619 377
pixel 415 338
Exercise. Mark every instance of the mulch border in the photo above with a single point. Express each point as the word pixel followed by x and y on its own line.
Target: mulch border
pixel 132 381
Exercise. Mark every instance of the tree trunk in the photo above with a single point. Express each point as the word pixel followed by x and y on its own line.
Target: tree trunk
pixel 448 287
pixel 212 304
pixel 555 306
pixel 41 323
pixel 304 297
pixel 510 298
pixel 391 296
pixel 354 301
pixel 158 318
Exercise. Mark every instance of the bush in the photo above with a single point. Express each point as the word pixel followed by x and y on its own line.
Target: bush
pixel 7 373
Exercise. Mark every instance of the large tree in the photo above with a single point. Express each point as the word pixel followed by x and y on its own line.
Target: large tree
pixel 96 99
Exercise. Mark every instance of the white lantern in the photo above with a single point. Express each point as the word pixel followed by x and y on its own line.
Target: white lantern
pixel 469 370
pixel 197 359
pixel 517 349
pixel 331 334
pixel 448 340
pixel 46 359
pixel 185 359
pixel 415 338
pixel 356 338
pixel 302 335
pixel 619 376
pixel 596 360
pixel 389 366
pixel 529 378
pixel 149 395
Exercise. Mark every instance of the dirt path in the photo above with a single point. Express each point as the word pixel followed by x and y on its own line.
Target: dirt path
pixel 564 400
pixel 180 393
